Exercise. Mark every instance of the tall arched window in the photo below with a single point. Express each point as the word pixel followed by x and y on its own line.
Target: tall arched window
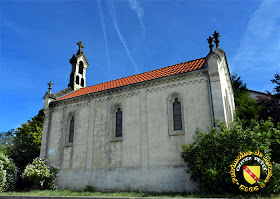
pixel 177 117
pixel 71 129
pixel 116 123
pixel 119 123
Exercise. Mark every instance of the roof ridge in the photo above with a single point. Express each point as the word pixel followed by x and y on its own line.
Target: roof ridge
pixel 143 72
pixel 141 77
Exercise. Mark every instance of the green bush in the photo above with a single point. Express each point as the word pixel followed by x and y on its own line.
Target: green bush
pixel 209 156
pixel 89 188
pixel 40 174
pixel 8 173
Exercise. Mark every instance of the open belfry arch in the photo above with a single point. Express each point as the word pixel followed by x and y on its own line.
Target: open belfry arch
pixel 127 134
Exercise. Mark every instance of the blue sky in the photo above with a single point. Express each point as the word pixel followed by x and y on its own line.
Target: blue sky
pixel 126 37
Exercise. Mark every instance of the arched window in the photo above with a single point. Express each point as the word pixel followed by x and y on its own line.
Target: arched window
pixel 71 129
pixel 177 117
pixel 175 114
pixel 82 82
pixel 119 123
pixel 81 67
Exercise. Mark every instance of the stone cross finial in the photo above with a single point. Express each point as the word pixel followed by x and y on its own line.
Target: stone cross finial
pixel 50 87
pixel 210 41
pixel 80 45
pixel 216 37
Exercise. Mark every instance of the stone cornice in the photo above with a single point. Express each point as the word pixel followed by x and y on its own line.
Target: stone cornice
pixel 126 91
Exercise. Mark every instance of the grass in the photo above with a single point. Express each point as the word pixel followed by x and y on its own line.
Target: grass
pixel 66 192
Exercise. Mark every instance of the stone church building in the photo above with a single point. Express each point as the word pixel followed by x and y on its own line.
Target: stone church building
pixel 127 134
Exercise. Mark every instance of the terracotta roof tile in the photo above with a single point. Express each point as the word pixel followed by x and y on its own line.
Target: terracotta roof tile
pixel 162 72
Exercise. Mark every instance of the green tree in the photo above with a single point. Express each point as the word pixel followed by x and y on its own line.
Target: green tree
pixel 270 106
pixel 27 141
pixel 246 108
pixel 6 141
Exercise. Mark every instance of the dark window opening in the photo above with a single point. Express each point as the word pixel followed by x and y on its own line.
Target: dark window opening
pixel 177 117
pixel 82 82
pixel 77 80
pixel 81 67
pixel 119 123
pixel 71 130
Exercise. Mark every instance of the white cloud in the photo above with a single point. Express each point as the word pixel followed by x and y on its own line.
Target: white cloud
pixel 258 44
pixel 136 6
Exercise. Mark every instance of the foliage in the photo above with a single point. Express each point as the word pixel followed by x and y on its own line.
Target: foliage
pixel 6 141
pixel 237 85
pixel 8 173
pixel 26 141
pixel 89 188
pixel 245 107
pixel 270 106
pixel 40 174
pixel 209 157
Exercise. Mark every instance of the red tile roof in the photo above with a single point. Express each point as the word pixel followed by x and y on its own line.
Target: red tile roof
pixel 142 77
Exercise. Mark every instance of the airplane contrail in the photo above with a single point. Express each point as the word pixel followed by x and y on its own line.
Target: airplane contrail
pixel 113 16
pixel 101 16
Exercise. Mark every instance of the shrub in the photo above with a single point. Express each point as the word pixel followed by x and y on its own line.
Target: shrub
pixel 89 188
pixel 8 173
pixel 40 174
pixel 209 156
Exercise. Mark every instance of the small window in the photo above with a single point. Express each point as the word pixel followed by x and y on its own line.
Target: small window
pixel 82 82
pixel 81 67
pixel 177 118
pixel 119 123
pixel 71 129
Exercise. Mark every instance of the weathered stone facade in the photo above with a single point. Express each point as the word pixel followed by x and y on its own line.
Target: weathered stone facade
pixel 147 157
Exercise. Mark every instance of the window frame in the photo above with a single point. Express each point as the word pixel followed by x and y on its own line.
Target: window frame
pixel 113 122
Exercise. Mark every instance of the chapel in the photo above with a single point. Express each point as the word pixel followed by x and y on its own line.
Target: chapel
pixel 126 134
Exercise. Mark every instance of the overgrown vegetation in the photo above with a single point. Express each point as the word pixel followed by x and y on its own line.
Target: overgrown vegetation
pixel 209 157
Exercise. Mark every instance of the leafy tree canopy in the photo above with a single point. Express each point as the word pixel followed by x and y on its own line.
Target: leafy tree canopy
pixel 270 106
pixel 26 141
pixel 245 107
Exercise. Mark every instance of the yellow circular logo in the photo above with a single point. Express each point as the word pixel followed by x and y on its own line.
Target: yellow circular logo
pixel 252 166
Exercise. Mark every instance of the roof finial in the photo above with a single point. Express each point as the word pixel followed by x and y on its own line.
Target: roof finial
pixel 50 87
pixel 80 47
pixel 216 37
pixel 210 41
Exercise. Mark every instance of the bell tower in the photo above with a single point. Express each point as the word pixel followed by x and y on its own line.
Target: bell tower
pixel 79 65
